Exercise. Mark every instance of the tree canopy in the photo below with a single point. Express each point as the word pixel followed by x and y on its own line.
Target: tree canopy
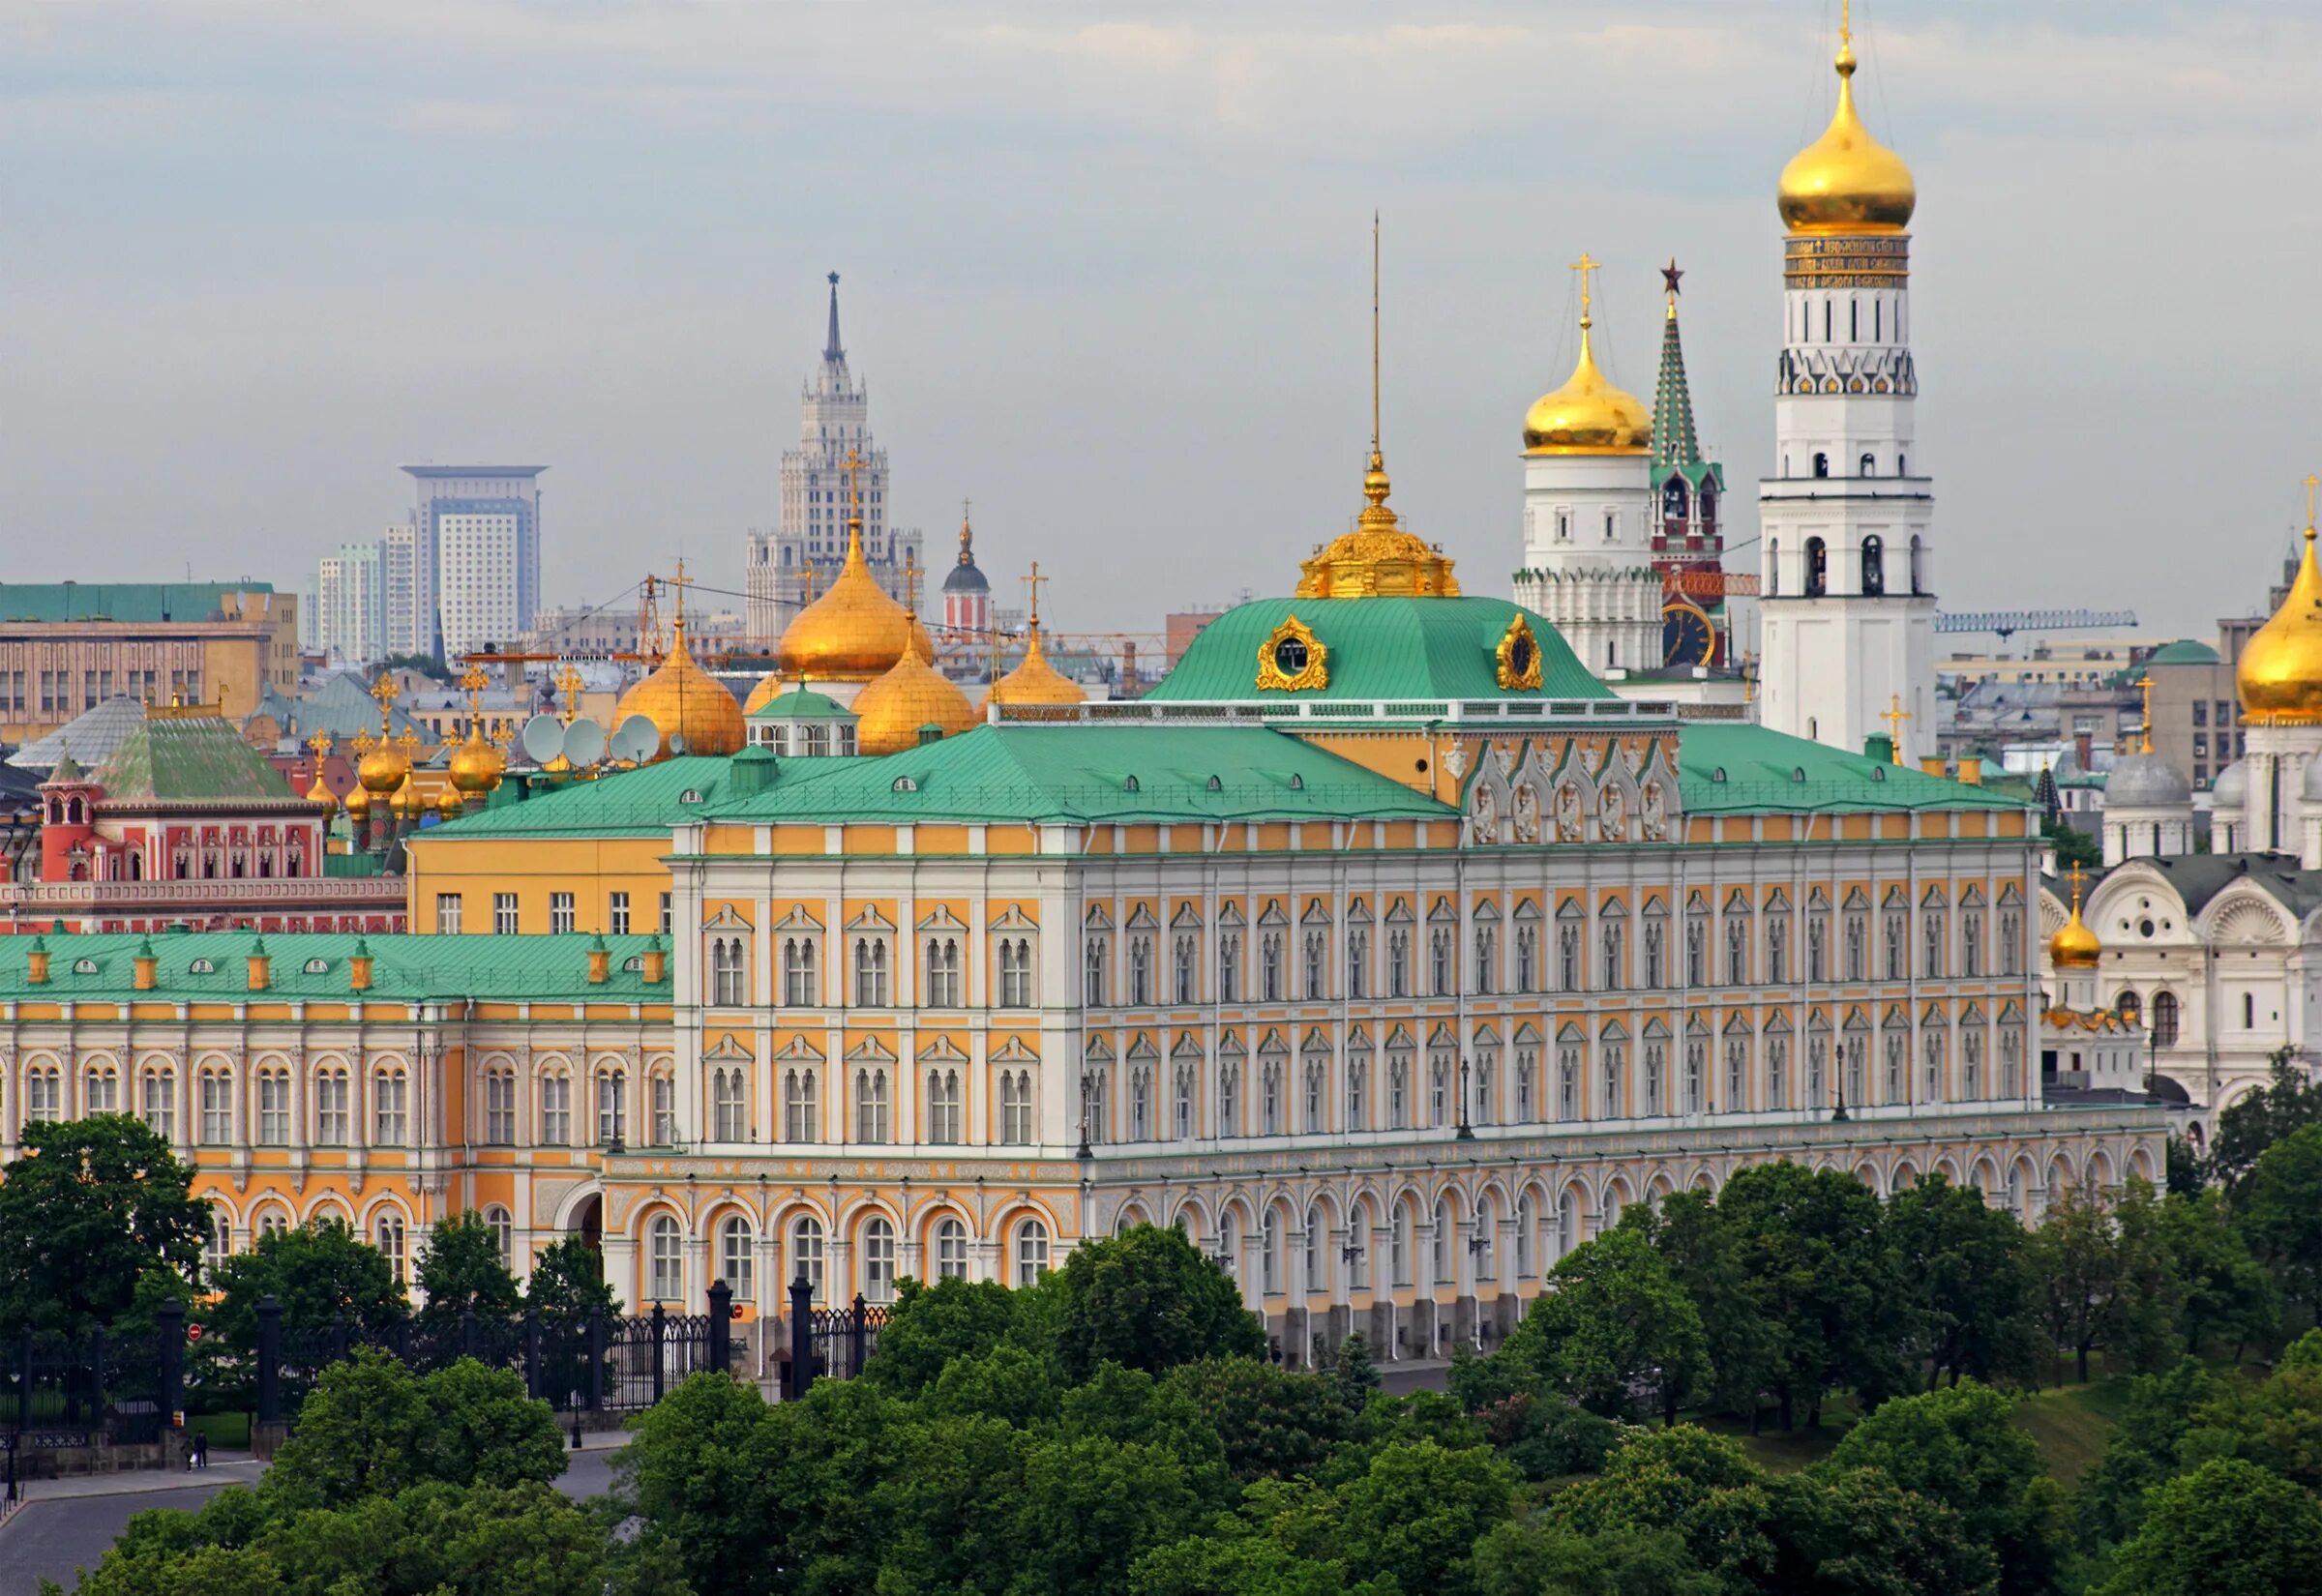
pixel 88 1209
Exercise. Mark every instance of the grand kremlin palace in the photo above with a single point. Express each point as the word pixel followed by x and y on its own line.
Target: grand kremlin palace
pixel 1382 947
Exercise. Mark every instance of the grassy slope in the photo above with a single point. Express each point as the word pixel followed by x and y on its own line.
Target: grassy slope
pixel 2069 1424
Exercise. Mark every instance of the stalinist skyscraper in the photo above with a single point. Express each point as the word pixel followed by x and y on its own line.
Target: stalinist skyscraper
pixel 1847 614
pixel 833 417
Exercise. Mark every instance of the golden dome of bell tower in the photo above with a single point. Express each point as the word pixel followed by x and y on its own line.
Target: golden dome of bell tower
pixel 2279 676
pixel 1846 181
pixel 1587 415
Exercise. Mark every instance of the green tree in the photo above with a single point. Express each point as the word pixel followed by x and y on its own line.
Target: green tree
pixel 568 1281
pixel 1148 1299
pixel 2103 1275
pixel 1274 1421
pixel 2228 1528
pixel 2282 1209
pixel 699 1474
pixel 2226 1294
pixel 87 1209
pixel 1615 1323
pixel 2141 1451
pixel 1825 1279
pixel 1543 1556
pixel 1856 1532
pixel 2185 1176
pixel 1961 1447
pixel 460 1272
pixel 2073 846
pixel 1685 1480
pixel 1973 1306
pixel 371 1427
pixel 930 1325
pixel 1357 1375
pixel 315 1273
pixel 1704 1255
pixel 2285 1104
pixel 1418 1512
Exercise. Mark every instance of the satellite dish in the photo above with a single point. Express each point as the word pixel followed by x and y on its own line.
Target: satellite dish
pixel 676 741
pixel 637 739
pixel 583 743
pixel 544 739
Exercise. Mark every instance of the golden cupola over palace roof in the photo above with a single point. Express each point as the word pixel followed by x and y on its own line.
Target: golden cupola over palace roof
pixel 855 632
pixel 2279 674
pixel 1587 415
pixel 1379 558
pixel 1846 181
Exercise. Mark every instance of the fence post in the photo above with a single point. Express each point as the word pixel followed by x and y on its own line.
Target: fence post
pixel 96 1380
pixel 854 1340
pixel 169 1342
pixel 596 1359
pixel 467 1332
pixel 720 1308
pixel 801 1373
pixel 660 1321
pixel 270 1360
pixel 25 1387
pixel 533 1371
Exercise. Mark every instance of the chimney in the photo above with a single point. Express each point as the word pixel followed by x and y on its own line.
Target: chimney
pixel 261 967
pixel 36 962
pixel 358 967
pixel 600 962
pixel 149 970
pixel 656 963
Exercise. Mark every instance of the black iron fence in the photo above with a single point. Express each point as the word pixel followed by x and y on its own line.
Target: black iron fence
pixel 827 1342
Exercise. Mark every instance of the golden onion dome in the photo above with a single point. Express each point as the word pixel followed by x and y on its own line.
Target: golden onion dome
pixel 1034 681
pixel 405 800
pixel 853 632
pixel 891 711
pixel 476 766
pixel 2075 946
pixel 1587 415
pixel 1846 181
pixel 447 803
pixel 320 793
pixel 1378 558
pixel 384 769
pixel 692 709
pixel 358 803
pixel 2280 674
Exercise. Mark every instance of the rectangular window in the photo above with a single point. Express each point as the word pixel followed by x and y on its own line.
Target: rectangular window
pixel 274 1110
pixel 217 1110
pixel 499 1109
pixel 616 914
pixel 666 914
pixel 503 914
pixel 556 1112
pixel 447 913
pixel 330 1108
pixel 387 1110
pixel 560 914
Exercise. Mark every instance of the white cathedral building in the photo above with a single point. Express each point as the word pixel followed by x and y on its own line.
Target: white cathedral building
pixel 2220 953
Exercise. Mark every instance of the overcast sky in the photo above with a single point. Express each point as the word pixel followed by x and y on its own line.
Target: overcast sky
pixel 1106 270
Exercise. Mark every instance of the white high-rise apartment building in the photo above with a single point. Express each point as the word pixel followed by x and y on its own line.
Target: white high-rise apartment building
pixel 407 592
pixel 349 616
pixel 474 558
pixel 833 419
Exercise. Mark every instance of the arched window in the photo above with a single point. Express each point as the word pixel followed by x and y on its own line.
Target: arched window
pixel 1869 464
pixel 2131 1006
pixel 331 1115
pixel 1031 1251
pixel 388 1234
pixel 503 1232
pixel 806 1253
pixel 729 1108
pixel 1917 571
pixel 1442 1248
pixel 1822 465
pixel 871 1106
pixel 943 1108
pixel 1270 1253
pixel 801 1113
pixel 878 1260
pixel 734 1256
pixel 1315 1236
pixel 1818 566
pixel 951 1250
pixel 1773 568
pixel 665 1260
pixel 1874 565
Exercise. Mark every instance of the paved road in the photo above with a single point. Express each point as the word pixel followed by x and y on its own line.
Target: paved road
pixel 51 1537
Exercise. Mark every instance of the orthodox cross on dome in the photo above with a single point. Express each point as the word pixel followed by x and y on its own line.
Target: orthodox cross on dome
pixel 362 743
pixel 910 582
pixel 2075 876
pixel 1894 716
pixel 319 745
pixel 2143 685
pixel 809 579
pixel 568 691
pixel 966 536
pixel 1585 264
pixel 1033 582
pixel 386 693
pixel 409 742
pixel 2310 480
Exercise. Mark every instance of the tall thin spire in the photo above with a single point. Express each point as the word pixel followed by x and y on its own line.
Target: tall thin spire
pixel 1672 438
pixel 831 351
pixel 1375 486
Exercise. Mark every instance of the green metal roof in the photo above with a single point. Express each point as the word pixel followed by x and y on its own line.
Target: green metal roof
pixel 1078 774
pixel 802 704
pixel 2184 651
pixel 405 967
pixel 172 759
pixel 646 801
pixel 1726 768
pixel 1378 649
pixel 147 602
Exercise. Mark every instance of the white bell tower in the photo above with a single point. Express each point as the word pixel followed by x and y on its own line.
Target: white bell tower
pixel 1847 613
